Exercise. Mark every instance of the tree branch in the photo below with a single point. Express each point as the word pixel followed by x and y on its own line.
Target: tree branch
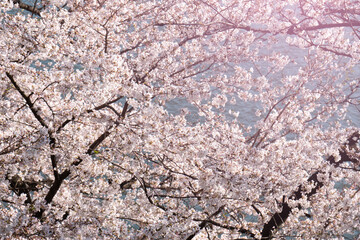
pixel 205 222
pixel 59 178
pixel 279 218
pixel 232 228
pixel 26 7
pixel 27 100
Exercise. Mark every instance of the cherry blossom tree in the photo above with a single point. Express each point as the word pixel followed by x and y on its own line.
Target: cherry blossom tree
pixel 90 148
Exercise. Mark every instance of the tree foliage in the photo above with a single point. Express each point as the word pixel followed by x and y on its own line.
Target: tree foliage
pixel 90 147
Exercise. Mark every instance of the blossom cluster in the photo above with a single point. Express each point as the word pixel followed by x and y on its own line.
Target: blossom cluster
pixel 91 146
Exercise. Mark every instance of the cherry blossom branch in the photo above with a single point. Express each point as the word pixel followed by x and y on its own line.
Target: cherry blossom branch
pixel 160 161
pixel 354 11
pixel 27 100
pixel 36 114
pixel 134 220
pixel 105 104
pixel 350 23
pixel 292 30
pixel 102 106
pixel 232 228
pixel 11 147
pixel 333 51
pixel 144 187
pixel 29 8
pixel 218 12
pixel 64 124
pixel 55 188
pixel 59 178
pixel 279 218
pixel 97 142
pixel 205 222
pixel 132 48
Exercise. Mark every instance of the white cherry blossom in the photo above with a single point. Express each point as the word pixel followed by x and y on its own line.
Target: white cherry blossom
pixel 91 146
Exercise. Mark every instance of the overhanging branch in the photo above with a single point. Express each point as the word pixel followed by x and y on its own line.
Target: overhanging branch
pixel 27 100
pixel 29 8
pixel 279 218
